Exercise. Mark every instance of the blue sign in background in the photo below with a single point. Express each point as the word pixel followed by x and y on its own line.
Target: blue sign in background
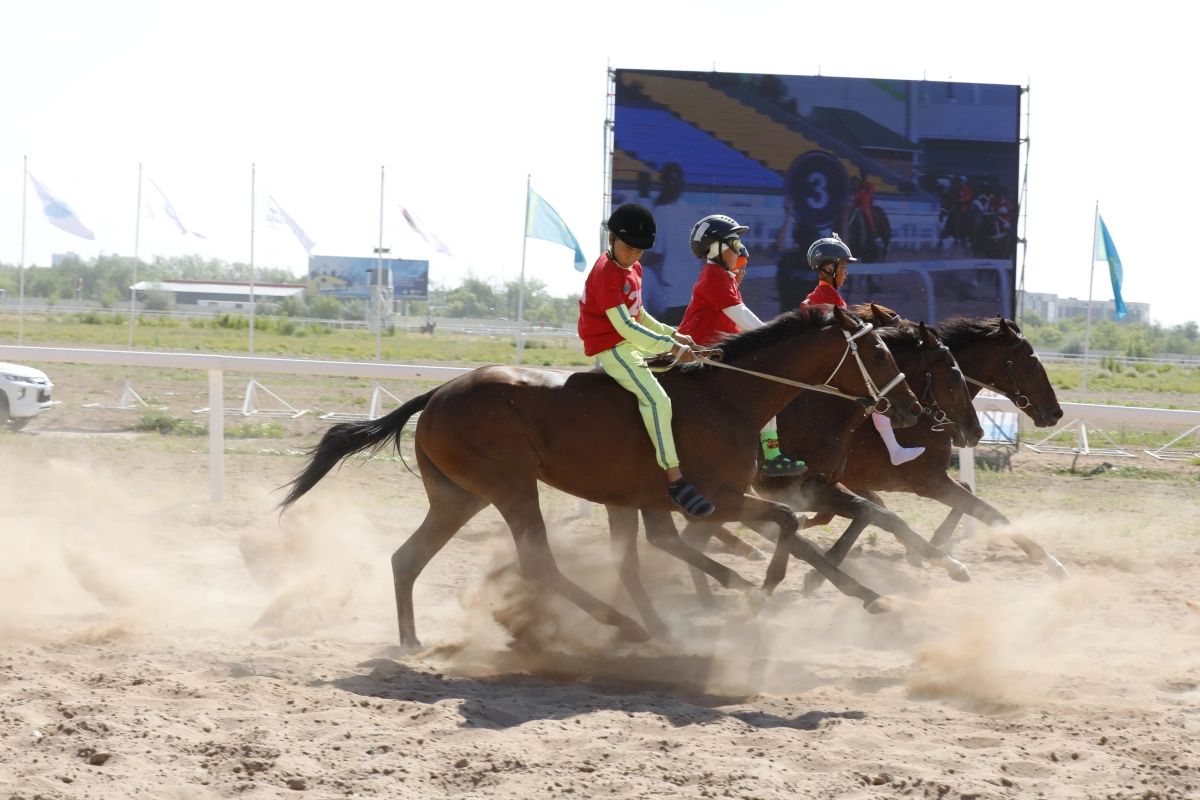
pixel 351 276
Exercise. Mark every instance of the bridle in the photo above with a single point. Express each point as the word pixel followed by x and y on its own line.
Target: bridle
pixel 929 404
pixel 877 395
pixel 1017 398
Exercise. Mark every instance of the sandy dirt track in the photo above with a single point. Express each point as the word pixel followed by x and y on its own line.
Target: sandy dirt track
pixel 153 646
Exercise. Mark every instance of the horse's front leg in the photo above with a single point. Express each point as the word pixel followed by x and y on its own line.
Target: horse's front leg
pixel 758 510
pixel 623 531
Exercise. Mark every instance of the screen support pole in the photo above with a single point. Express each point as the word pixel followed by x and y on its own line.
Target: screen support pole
pixel 1023 208
pixel 610 107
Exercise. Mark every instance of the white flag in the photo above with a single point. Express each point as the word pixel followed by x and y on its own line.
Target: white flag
pixel 59 214
pixel 421 229
pixel 274 215
pixel 155 205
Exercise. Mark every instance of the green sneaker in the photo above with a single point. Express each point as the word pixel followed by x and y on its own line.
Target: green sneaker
pixel 776 463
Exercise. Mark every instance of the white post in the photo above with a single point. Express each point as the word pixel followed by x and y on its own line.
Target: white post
pixel 21 279
pixel 1087 336
pixel 216 435
pixel 252 198
pixel 521 289
pixel 137 240
pixel 966 474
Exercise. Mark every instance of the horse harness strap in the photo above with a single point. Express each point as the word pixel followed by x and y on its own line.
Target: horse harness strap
pixel 929 404
pixel 851 347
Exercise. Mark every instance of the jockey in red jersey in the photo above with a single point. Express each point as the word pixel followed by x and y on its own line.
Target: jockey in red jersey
pixel 962 195
pixel 1003 211
pixel 621 334
pixel 717 310
pixel 862 193
pixel 829 258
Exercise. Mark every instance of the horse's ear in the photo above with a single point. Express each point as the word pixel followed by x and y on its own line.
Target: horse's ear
pixel 879 317
pixel 848 321
pixel 929 335
pixel 1007 329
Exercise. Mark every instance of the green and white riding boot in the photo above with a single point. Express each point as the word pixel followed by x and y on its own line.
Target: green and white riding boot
pixel 776 463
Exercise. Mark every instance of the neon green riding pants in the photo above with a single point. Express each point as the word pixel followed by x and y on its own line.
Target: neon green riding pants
pixel 628 368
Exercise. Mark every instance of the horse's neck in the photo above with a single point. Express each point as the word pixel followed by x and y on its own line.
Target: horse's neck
pixel 762 398
pixel 980 361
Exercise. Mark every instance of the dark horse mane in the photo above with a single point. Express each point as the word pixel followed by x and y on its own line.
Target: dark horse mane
pixel 786 326
pixel 958 332
pixel 893 330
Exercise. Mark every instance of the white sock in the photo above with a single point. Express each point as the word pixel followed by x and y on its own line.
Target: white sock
pixel 899 455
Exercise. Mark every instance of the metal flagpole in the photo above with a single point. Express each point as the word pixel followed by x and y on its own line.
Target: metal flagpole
pixel 21 293
pixel 252 198
pixel 1087 336
pixel 137 239
pixel 379 276
pixel 521 289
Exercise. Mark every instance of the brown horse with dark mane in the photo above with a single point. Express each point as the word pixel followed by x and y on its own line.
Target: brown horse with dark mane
pixel 489 437
pixel 993 354
pixel 819 429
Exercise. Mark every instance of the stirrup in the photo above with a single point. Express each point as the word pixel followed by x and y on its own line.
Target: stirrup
pixel 782 465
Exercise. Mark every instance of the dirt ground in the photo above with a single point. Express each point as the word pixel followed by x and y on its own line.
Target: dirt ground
pixel 153 645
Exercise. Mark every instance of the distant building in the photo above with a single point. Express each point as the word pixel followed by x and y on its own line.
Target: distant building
pixel 229 295
pixel 60 258
pixel 1052 308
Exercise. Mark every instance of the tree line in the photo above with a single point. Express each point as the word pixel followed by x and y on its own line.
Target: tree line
pixel 1136 340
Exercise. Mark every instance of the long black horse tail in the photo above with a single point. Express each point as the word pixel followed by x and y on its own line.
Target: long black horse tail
pixel 347 438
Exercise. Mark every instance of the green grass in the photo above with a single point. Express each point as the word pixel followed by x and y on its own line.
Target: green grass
pixel 283 337
pixel 1150 378
pixel 161 422
pixel 1107 470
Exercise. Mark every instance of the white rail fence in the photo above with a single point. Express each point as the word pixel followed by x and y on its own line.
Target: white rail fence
pixel 217 365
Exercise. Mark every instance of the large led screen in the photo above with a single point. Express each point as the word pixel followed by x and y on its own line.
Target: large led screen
pixel 350 276
pixel 918 177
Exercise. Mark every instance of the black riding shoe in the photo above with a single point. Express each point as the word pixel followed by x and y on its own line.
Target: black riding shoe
pixel 691 502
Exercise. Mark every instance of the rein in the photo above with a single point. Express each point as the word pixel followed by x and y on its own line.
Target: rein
pixel 929 404
pixel 877 395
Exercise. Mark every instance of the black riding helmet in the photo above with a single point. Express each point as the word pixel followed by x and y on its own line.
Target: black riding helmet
pixel 715 229
pixel 634 225
pixel 826 250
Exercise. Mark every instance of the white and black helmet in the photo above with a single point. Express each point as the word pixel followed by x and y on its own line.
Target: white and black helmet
pixel 710 233
pixel 826 250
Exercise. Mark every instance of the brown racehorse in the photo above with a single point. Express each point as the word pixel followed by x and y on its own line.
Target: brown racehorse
pixel 818 428
pixel 994 354
pixel 489 437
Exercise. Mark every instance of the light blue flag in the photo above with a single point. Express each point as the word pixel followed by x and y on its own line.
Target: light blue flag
pixel 1107 251
pixel 59 214
pixel 543 222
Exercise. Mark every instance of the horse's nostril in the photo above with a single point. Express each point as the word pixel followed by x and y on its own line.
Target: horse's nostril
pixel 914 408
pixel 979 433
pixel 1058 413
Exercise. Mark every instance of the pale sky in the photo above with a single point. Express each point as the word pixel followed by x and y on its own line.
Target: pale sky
pixel 461 101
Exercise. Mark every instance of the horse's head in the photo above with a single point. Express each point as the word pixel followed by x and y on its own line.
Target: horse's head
pixel 943 391
pixel 1023 378
pixel 877 375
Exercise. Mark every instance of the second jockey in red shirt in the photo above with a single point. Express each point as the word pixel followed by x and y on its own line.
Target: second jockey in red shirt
pixel 829 258
pixel 717 310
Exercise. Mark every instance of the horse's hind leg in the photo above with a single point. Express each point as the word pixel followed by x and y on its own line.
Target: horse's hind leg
pixel 623 531
pixel 519 507
pixel 696 536
pixel 450 507
pixel 661 533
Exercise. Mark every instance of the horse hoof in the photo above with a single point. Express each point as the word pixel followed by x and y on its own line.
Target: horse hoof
pixel 1056 570
pixel 954 569
pixel 879 605
pixel 756 599
pixel 756 555
pixel 632 632
pixel 812 581
pixel 405 649
pixel 914 559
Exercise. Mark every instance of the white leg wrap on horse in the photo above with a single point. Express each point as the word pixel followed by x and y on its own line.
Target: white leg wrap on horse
pixel 899 455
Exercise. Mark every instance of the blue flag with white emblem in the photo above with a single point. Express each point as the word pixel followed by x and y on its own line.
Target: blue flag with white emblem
pixel 58 213
pixel 1107 251
pixel 543 222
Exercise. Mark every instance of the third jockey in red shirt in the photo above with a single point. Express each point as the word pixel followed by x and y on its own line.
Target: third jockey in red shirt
pixel 717 310
pixel 829 258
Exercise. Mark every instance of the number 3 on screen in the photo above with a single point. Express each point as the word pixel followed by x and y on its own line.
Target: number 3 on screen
pixel 820 199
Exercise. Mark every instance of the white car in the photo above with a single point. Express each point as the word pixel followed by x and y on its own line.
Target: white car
pixel 24 393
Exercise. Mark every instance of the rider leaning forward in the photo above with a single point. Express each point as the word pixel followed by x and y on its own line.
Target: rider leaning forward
pixel 615 328
pixel 829 258
pixel 717 310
